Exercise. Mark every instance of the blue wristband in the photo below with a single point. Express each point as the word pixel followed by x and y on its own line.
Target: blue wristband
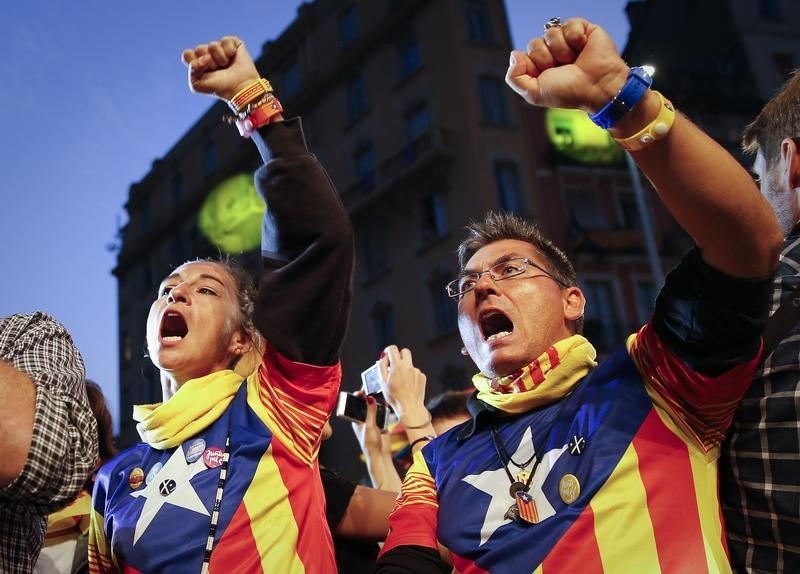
pixel 637 84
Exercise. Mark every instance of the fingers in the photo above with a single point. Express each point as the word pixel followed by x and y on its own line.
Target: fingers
pixel 521 76
pixel 217 54
pixel 372 412
pixel 211 56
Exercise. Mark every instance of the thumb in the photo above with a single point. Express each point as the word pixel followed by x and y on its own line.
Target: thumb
pixel 372 413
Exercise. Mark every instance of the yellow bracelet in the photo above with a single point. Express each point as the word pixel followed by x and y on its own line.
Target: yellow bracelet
pixel 653 131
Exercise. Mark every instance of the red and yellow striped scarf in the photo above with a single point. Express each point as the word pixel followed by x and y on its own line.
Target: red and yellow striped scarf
pixel 547 379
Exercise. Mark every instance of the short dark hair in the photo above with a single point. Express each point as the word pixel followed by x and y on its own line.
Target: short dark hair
pixel 499 225
pixel 449 404
pixel 779 119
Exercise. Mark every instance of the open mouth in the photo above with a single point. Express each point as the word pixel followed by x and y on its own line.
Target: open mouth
pixel 173 327
pixel 495 325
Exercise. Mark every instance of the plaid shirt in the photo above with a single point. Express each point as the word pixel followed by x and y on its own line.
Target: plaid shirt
pixel 64 445
pixel 760 471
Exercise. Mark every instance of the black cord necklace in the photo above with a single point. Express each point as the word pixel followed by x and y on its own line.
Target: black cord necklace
pixel 519 485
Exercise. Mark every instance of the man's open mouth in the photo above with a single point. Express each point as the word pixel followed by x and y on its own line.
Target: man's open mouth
pixel 173 327
pixel 495 325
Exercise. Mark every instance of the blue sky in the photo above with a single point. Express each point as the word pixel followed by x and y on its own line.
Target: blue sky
pixel 91 93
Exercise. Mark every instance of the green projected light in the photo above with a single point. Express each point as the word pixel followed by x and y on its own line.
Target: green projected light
pixel 575 136
pixel 231 215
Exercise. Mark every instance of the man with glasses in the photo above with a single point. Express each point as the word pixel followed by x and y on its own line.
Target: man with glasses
pixel 570 466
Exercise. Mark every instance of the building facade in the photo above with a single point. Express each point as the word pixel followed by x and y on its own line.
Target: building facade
pixel 404 103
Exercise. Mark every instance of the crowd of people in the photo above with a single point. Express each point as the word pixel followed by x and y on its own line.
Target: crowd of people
pixel 677 453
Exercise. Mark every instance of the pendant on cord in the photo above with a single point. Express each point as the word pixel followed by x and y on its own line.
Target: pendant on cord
pixel 523 510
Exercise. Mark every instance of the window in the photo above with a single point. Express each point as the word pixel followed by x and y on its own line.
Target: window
pixel 769 9
pixel 290 79
pixel 509 187
pixel 408 56
pixel 784 63
pixel 372 246
pixel 585 209
pixel 146 278
pixel 479 26
pixel 629 209
pixel 209 158
pixel 645 301
pixel 178 248
pixel 601 325
pixel 364 160
pixel 145 217
pixel 356 98
pixel 176 189
pixel 383 326
pixel 445 319
pixel 418 122
pixel 348 26
pixel 432 218
pixel 127 349
pixel 493 103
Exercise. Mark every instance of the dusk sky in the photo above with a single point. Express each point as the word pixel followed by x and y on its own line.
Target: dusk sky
pixel 91 93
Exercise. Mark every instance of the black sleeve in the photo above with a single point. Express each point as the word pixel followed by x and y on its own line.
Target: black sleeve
pixel 304 294
pixel 411 560
pixel 338 492
pixel 711 320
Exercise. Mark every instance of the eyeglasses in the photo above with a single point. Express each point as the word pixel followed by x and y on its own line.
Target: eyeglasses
pixel 499 271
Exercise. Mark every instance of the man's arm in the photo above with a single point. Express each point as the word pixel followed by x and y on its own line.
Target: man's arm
pixel 709 193
pixel 45 416
pixel 16 421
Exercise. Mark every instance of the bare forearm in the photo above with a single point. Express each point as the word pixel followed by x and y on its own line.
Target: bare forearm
pixel 382 472
pixel 16 420
pixel 709 193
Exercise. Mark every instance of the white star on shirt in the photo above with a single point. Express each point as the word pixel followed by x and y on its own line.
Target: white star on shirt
pixel 183 496
pixel 495 484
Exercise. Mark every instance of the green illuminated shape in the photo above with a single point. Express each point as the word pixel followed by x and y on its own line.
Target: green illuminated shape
pixel 231 215
pixel 577 137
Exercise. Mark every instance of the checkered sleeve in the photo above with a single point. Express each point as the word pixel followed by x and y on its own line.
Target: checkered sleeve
pixel 760 470
pixel 64 444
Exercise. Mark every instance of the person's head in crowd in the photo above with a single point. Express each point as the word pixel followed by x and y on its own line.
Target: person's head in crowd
pixel 449 409
pixel 105 425
pixel 201 322
pixel 774 138
pixel 517 294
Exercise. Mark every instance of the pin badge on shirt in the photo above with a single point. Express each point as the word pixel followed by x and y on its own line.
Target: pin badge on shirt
pixel 136 478
pixel 195 450
pixel 577 445
pixel 212 456
pixel 153 472
pixel 167 487
pixel 569 488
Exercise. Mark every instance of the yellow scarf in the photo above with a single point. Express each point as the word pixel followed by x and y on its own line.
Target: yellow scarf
pixel 195 406
pixel 547 379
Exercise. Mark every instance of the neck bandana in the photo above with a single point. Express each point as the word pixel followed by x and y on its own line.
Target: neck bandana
pixel 195 406
pixel 547 379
